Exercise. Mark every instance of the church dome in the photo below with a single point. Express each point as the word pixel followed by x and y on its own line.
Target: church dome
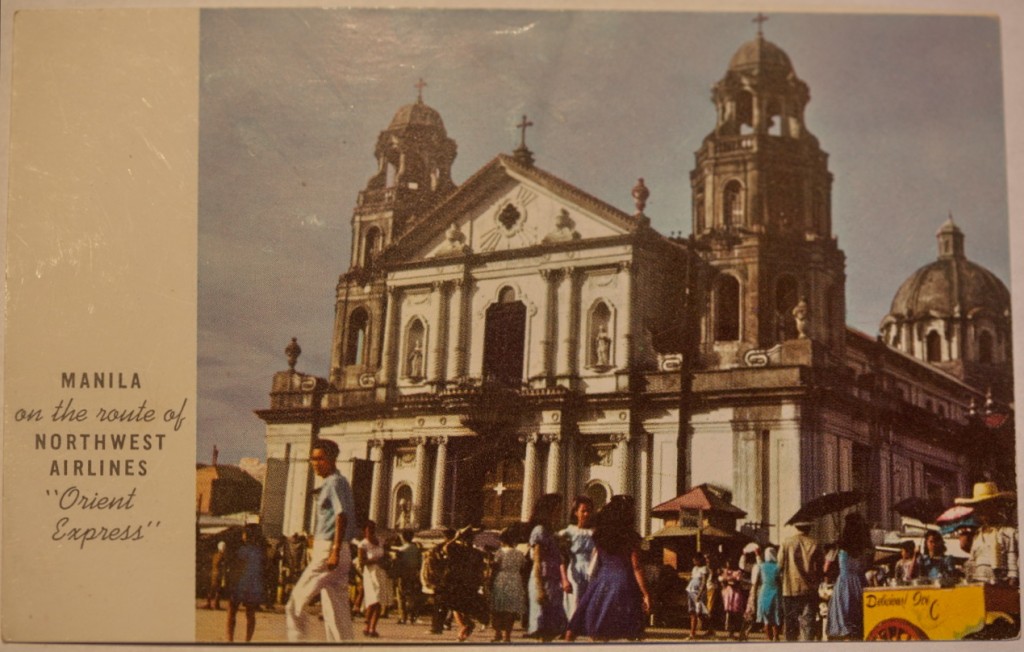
pixel 761 54
pixel 416 114
pixel 952 285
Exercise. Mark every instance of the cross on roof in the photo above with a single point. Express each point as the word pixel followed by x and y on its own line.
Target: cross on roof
pixel 420 85
pixel 760 19
pixel 522 127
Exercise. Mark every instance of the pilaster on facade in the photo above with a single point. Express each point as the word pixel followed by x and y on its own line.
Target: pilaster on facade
pixel 437 508
pixel 622 462
pixel 644 441
pixel 378 498
pixel 388 367
pixel 419 497
pixel 456 353
pixel 625 315
pixel 555 469
pixel 529 475
pixel 549 329
pixel 568 324
pixel 438 352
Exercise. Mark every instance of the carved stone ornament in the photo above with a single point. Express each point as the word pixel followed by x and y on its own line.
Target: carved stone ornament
pixel 762 357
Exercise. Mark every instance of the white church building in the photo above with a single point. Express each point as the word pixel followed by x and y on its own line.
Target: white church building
pixel 514 335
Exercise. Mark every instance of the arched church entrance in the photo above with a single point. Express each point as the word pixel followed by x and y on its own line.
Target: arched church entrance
pixel 502 493
pixel 504 338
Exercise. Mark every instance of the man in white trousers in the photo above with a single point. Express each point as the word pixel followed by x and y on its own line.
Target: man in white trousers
pixel 330 557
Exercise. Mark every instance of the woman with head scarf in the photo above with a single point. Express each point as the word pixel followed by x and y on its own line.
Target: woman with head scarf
pixel 769 592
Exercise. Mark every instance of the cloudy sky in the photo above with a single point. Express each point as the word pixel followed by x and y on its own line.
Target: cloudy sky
pixel 909 109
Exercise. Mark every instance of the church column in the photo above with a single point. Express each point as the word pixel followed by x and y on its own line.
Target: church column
pixel 420 488
pixel 624 347
pixel 643 499
pixel 555 474
pixel 435 367
pixel 377 498
pixel 622 461
pixel 529 476
pixel 387 371
pixel 456 346
pixel 568 337
pixel 437 512
pixel 550 277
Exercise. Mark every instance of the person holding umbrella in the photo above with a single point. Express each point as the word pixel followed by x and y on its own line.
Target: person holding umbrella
pixel 800 567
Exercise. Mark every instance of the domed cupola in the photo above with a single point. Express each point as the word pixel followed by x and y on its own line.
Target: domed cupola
pixel 414 172
pixel 955 314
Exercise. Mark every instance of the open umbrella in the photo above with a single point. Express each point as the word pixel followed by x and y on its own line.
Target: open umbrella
pixel 923 509
pixel 827 504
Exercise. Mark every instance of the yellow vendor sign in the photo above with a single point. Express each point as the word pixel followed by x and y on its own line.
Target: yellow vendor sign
pixel 923 612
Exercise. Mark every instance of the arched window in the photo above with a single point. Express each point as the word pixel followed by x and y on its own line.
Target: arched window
pixel 786 297
pixel 505 339
pixel 732 204
pixel 600 350
pixel 415 349
pixel 985 347
pixel 358 330
pixel 933 346
pixel 371 244
pixel 727 309
pixel 698 211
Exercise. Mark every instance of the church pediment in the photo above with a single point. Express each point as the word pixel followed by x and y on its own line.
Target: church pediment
pixel 509 206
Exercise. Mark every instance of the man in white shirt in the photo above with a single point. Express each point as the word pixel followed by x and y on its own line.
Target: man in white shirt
pixel 330 556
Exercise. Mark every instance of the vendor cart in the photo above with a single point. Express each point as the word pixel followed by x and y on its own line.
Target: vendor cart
pixel 941 613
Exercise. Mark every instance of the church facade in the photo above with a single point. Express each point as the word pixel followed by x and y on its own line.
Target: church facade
pixel 515 335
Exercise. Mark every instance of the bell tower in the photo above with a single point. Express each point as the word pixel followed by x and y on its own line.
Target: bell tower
pixel 414 172
pixel 762 213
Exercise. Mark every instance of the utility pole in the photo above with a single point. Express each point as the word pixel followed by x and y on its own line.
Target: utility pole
pixel 690 346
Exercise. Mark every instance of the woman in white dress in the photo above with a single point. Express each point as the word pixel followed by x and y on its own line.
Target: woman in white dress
pixel 376 587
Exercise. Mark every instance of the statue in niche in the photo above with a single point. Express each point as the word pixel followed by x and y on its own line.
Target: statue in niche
pixel 416 360
pixel 403 519
pixel 602 347
pixel 800 317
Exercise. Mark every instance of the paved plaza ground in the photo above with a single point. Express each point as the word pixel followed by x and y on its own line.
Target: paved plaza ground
pixel 211 627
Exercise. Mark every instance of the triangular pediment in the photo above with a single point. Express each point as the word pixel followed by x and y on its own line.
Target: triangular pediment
pixel 508 206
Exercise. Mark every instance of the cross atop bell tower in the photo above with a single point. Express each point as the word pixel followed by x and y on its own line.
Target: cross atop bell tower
pixel 760 19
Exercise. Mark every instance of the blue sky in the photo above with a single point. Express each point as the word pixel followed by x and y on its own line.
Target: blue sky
pixel 909 109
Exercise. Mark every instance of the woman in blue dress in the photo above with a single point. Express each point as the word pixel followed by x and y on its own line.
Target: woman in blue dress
pixel 616 601
pixel 846 608
pixel 547 610
pixel 769 600
pixel 247 588
pixel 581 549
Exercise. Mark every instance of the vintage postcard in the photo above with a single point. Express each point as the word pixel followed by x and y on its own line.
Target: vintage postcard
pixel 424 325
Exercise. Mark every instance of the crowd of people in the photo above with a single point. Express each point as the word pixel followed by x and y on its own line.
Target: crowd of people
pixel 586 579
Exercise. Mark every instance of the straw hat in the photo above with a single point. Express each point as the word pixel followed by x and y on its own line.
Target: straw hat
pixel 985 491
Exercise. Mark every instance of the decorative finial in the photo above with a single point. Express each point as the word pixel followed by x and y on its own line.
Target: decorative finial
pixel 760 19
pixel 293 351
pixel 521 153
pixel 640 195
pixel 420 85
